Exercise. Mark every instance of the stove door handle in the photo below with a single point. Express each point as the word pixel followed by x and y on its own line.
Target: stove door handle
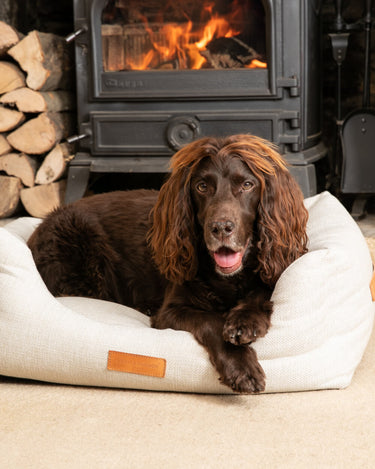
pixel 72 36
pixel 77 138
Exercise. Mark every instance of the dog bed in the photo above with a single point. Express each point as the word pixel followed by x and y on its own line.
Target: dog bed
pixel 321 325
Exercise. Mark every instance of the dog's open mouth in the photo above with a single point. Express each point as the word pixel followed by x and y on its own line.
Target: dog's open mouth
pixel 228 262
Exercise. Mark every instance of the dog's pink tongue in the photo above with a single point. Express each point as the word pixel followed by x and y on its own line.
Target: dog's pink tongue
pixel 225 258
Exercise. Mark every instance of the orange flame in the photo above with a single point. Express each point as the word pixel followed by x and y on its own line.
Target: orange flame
pixel 178 44
pixel 216 27
pixel 255 63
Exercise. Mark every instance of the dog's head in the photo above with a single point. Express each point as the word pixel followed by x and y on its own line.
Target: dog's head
pixel 237 194
pixel 226 197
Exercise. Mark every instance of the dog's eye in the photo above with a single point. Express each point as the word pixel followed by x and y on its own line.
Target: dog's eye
pixel 247 185
pixel 201 187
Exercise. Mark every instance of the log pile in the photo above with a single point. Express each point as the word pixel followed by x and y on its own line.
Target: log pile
pixel 36 115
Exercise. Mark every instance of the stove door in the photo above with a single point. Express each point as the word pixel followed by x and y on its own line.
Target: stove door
pixel 155 49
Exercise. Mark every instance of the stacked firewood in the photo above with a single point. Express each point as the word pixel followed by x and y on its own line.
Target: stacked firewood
pixel 36 116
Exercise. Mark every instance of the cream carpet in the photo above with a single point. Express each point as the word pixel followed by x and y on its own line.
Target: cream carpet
pixel 51 426
pixel 55 426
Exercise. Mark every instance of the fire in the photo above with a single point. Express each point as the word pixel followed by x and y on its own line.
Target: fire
pixel 180 45
pixel 171 42
pixel 216 27
pixel 255 63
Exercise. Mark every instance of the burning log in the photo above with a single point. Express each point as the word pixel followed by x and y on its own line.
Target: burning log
pixel 228 52
pixel 113 47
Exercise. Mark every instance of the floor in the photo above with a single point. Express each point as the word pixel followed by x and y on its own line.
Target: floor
pixel 367 225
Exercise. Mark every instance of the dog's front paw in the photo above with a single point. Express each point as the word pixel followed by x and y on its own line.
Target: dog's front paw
pixel 244 374
pixel 245 328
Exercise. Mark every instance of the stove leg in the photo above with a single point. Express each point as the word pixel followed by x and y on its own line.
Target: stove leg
pixel 78 178
pixel 359 207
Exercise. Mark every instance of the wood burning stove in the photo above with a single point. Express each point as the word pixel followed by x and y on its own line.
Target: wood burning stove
pixel 154 75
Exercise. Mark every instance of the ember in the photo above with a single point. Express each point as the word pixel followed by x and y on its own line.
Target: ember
pixel 146 35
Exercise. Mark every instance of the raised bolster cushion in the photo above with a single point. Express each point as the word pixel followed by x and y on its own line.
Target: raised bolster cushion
pixel 321 325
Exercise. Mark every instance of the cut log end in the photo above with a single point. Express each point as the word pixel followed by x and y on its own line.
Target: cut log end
pixel 10 188
pixel 10 119
pixel 11 77
pixel 8 37
pixel 47 60
pixel 19 165
pixel 39 201
pixel 54 164
pixel 42 133
pixel 4 145
pixel 27 100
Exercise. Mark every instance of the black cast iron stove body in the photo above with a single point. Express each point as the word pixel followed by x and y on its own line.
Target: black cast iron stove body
pixel 133 119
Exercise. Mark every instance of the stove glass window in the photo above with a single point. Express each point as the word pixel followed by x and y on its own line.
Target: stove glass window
pixel 183 35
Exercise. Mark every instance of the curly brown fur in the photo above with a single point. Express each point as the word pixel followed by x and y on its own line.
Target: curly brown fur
pixel 203 255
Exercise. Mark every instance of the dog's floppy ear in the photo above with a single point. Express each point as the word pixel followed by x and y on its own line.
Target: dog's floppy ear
pixel 282 219
pixel 282 216
pixel 172 236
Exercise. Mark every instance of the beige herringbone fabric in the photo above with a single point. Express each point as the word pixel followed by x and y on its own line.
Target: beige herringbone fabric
pixel 321 325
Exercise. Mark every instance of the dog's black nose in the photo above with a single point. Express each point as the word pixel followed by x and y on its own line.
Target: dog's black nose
pixel 222 228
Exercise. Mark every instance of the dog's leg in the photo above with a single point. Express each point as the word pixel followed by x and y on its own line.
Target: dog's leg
pixel 237 366
pixel 249 320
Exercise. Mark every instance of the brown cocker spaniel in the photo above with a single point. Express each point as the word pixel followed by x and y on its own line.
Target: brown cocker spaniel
pixel 202 255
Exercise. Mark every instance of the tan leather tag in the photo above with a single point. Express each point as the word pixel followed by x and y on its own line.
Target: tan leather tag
pixel 372 286
pixel 137 364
